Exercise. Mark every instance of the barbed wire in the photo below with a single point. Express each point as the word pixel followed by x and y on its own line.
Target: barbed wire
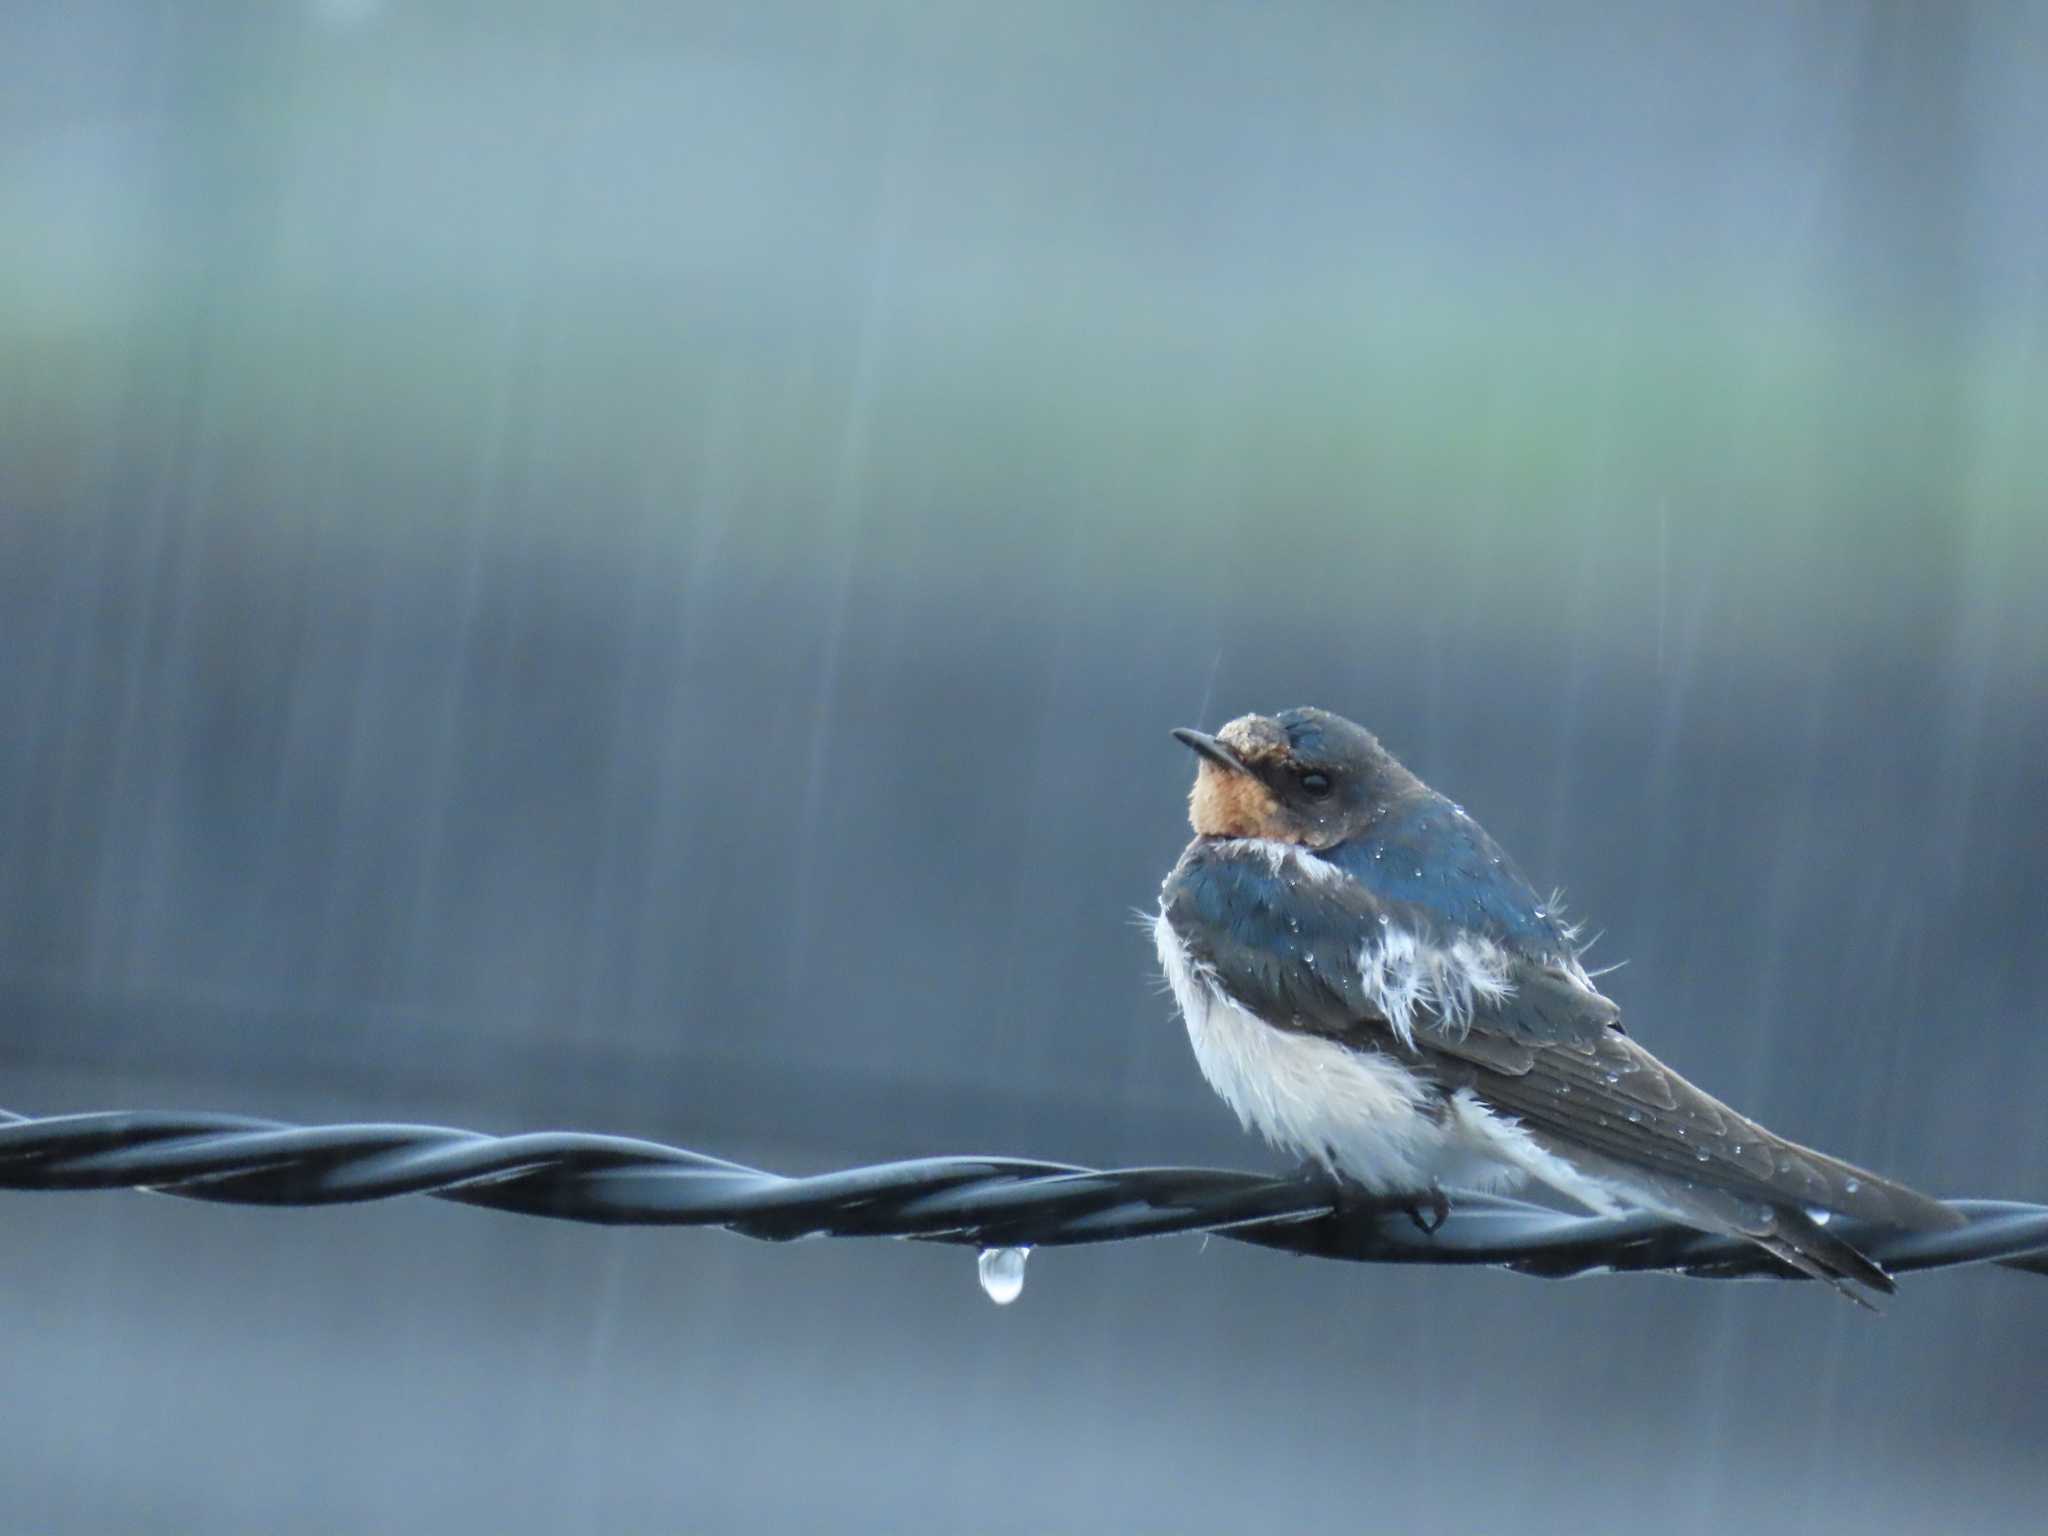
pixel 985 1202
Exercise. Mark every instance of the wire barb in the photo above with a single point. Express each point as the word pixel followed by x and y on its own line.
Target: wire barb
pixel 980 1201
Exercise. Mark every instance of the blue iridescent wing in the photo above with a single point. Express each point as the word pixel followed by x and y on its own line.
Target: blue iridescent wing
pixel 1287 945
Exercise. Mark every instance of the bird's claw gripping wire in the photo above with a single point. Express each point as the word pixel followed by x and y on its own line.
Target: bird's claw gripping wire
pixel 1439 1208
pixel 1428 1209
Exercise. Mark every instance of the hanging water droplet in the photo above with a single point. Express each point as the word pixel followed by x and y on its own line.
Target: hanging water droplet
pixel 1383 919
pixel 1635 1117
pixel 1850 1186
pixel 1704 1155
pixel 1819 1216
pixel 1002 1273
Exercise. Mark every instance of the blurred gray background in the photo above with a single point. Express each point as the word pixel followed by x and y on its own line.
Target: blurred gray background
pixel 628 567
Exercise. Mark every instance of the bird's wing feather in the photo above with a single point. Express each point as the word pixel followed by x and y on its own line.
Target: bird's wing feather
pixel 1595 1088
pixel 1549 1050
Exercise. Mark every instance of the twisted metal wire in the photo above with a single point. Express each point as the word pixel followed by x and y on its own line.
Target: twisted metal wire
pixel 985 1202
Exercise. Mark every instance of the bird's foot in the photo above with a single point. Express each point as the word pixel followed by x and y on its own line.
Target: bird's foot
pixel 1429 1210
pixel 1439 1207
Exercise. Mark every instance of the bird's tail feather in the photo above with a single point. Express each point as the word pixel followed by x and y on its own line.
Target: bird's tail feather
pixel 1787 1233
pixel 1790 1231
pixel 1813 1250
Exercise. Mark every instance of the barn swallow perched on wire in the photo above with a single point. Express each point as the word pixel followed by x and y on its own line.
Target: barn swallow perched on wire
pixel 1369 982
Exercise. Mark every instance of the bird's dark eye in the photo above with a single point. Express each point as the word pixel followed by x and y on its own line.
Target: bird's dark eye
pixel 1315 785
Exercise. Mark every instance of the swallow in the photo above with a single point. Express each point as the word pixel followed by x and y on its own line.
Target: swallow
pixel 1371 984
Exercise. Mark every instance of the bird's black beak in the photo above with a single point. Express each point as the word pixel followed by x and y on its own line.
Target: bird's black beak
pixel 1205 745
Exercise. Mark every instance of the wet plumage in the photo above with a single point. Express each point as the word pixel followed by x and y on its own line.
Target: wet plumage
pixel 1371 983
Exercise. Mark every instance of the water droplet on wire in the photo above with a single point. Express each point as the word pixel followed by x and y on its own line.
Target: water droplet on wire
pixel 1002 1273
